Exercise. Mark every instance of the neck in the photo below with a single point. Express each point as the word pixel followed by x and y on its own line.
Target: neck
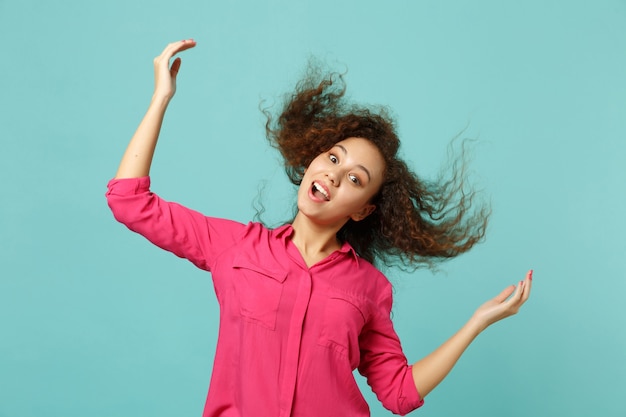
pixel 314 241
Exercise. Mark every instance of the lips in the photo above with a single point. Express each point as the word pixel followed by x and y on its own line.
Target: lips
pixel 319 191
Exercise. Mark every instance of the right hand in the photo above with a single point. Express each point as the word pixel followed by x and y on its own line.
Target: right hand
pixel 506 304
pixel 164 75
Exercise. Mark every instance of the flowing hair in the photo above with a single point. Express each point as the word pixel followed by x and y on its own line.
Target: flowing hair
pixel 416 222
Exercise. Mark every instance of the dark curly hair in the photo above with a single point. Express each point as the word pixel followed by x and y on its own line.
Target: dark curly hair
pixel 416 222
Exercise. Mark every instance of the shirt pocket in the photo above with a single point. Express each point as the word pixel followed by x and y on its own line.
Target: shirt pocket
pixel 341 325
pixel 258 290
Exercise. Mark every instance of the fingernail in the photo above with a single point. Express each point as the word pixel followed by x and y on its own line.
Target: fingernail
pixel 530 277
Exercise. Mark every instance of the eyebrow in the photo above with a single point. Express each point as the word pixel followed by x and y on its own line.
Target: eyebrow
pixel 369 177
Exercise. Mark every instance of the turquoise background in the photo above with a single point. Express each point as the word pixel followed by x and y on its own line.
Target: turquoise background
pixel 96 321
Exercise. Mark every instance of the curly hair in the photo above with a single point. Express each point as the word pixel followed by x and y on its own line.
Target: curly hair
pixel 416 222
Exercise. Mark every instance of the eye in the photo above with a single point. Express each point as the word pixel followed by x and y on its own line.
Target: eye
pixel 354 179
pixel 333 158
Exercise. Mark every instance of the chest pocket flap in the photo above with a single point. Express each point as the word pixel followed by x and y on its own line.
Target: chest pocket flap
pixel 258 290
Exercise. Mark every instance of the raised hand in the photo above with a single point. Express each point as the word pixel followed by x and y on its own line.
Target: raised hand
pixel 164 74
pixel 505 304
pixel 432 369
pixel 137 159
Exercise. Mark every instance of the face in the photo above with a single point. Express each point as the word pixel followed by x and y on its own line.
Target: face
pixel 339 184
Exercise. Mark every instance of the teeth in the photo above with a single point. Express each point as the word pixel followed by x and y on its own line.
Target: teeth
pixel 321 190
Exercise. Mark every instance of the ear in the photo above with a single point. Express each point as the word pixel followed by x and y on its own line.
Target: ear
pixel 363 213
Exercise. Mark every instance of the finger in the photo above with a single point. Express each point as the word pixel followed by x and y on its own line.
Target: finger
pixel 176 47
pixel 528 283
pixel 504 294
pixel 162 60
pixel 523 291
pixel 175 67
pixel 517 294
pixel 187 44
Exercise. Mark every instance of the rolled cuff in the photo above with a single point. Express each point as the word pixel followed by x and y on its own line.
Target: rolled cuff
pixel 128 186
pixel 409 398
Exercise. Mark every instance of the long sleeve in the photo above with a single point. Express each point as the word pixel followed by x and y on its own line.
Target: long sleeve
pixel 171 226
pixel 384 364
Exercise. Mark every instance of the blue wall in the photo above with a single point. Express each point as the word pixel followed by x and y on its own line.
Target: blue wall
pixel 95 321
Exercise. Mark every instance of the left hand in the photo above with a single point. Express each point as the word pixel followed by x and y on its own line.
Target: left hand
pixel 164 74
pixel 506 304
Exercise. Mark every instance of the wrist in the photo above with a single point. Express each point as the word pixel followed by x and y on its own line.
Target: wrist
pixel 475 326
pixel 161 99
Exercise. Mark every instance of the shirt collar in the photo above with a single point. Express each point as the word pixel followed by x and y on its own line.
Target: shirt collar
pixel 285 232
pixel 347 248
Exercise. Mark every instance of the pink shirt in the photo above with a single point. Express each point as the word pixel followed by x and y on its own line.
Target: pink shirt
pixel 289 336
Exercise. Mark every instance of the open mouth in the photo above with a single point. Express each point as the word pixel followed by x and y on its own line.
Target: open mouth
pixel 320 192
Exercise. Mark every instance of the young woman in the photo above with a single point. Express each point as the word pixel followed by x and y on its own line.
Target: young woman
pixel 302 306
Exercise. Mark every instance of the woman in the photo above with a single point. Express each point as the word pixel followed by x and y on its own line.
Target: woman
pixel 302 306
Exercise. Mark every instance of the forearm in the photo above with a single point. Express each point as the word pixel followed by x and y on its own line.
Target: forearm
pixel 431 370
pixel 138 156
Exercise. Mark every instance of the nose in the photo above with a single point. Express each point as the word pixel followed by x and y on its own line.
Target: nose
pixel 333 177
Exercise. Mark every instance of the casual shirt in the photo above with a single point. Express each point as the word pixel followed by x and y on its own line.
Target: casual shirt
pixel 290 336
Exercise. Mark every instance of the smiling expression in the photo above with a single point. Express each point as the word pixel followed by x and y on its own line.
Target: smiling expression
pixel 339 184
